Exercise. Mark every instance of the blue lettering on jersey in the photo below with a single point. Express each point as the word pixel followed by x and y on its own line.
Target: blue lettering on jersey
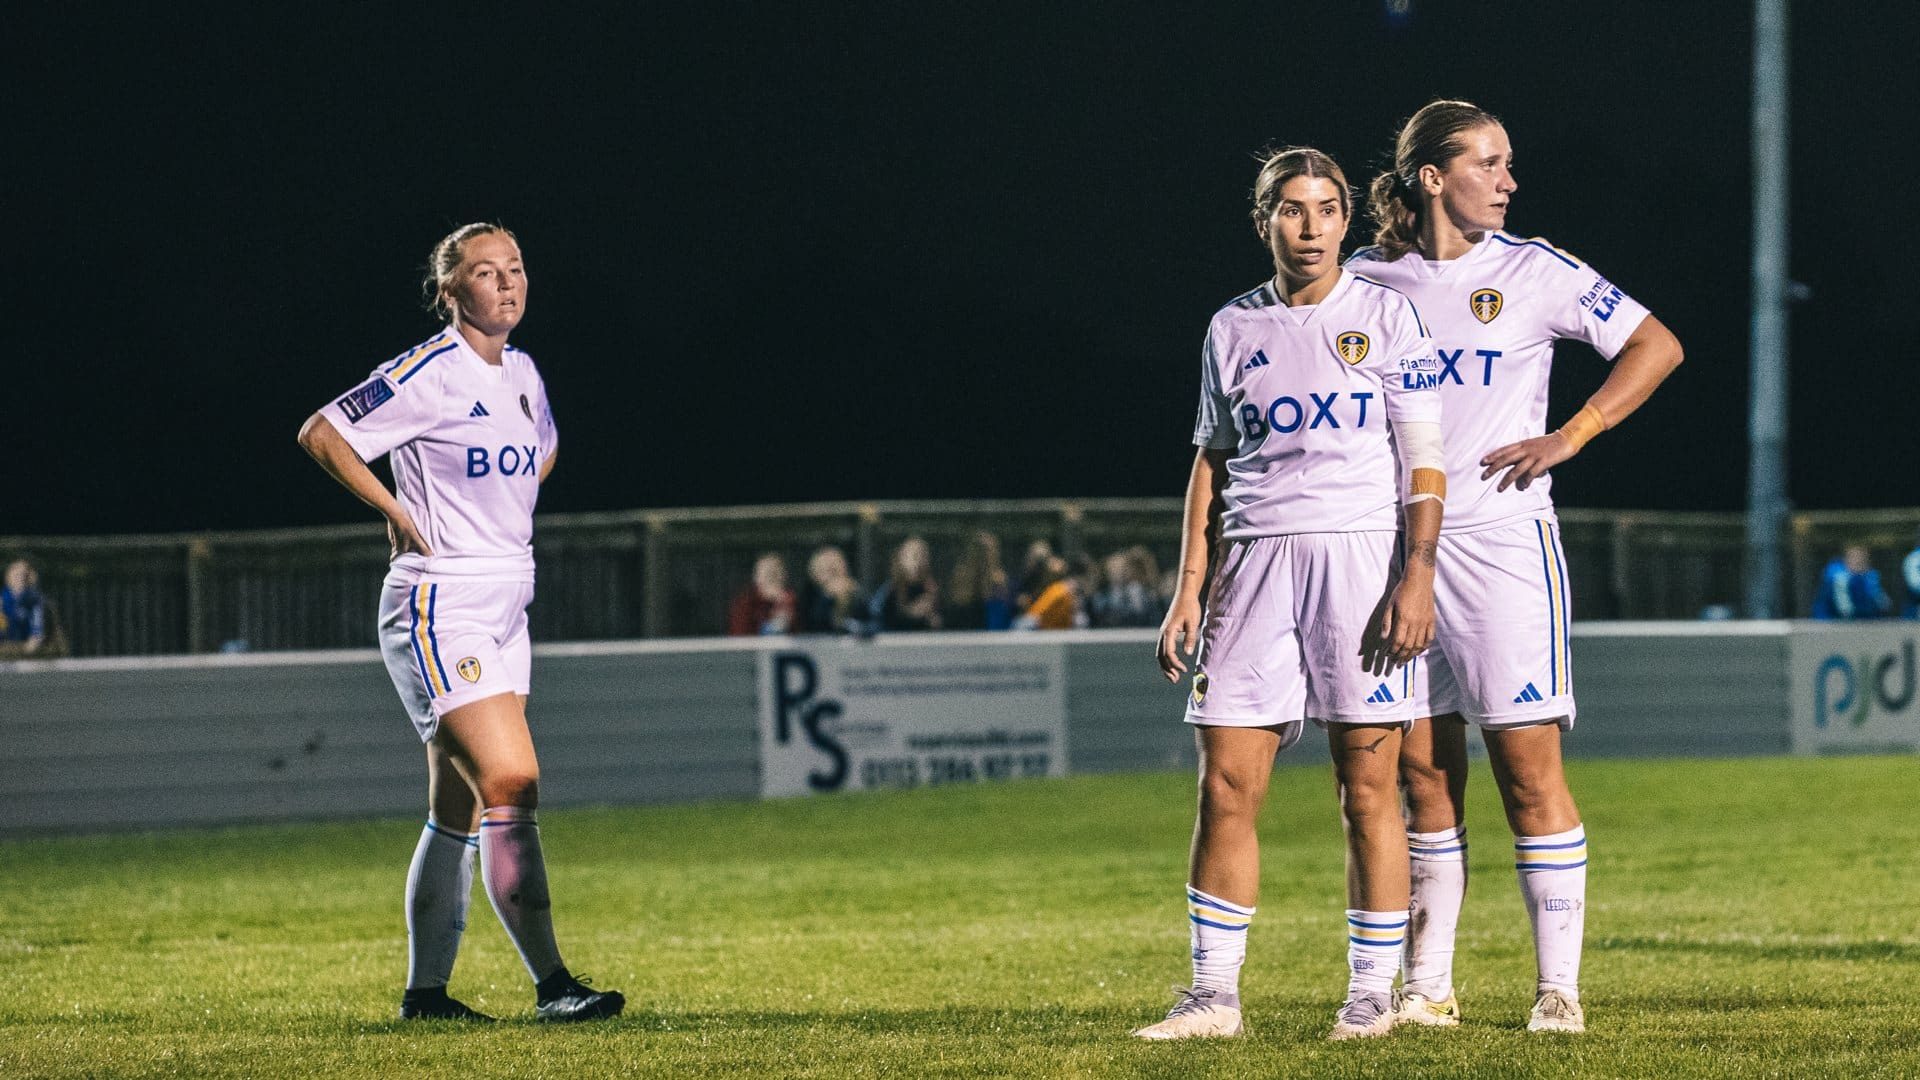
pixel 1450 369
pixel 1488 355
pixel 362 400
pixel 1287 415
pixel 1601 298
pixel 507 461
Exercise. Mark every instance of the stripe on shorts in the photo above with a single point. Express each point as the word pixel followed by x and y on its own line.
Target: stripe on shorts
pixel 426 645
pixel 1556 611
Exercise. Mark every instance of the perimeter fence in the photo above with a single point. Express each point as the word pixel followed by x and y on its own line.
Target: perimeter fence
pixel 670 573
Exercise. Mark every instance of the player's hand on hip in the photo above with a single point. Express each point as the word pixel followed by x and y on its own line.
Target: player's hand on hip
pixel 1179 630
pixel 1527 460
pixel 404 538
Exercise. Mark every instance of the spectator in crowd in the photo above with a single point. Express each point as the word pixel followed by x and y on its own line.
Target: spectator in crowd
pixel 1128 597
pixel 765 604
pixel 1057 604
pixel 1910 573
pixel 1036 573
pixel 910 598
pixel 23 611
pixel 978 598
pixel 830 601
pixel 1850 589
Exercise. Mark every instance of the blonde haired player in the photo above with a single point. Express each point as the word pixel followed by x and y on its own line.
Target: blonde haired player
pixel 1495 304
pixel 464 417
pixel 1309 386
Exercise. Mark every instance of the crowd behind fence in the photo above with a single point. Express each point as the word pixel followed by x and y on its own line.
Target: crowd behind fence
pixel 671 573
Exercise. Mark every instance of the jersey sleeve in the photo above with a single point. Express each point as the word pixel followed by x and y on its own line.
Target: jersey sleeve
pixel 1585 306
pixel 379 414
pixel 1213 427
pixel 1410 371
pixel 543 426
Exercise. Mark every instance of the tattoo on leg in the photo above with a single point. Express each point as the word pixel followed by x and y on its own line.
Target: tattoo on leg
pixel 1372 746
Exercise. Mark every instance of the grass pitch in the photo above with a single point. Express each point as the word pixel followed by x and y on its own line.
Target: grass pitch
pixel 1746 918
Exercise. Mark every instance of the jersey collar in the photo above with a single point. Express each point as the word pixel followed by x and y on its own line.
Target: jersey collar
pixel 1306 313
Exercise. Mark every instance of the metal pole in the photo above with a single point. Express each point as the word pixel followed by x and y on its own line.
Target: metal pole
pixel 1767 424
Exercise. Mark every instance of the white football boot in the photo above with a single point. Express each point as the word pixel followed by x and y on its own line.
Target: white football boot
pixel 1555 1011
pixel 1368 1016
pixel 1199 1014
pixel 1414 1007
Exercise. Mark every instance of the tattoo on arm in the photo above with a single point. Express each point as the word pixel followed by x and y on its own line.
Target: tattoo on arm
pixel 1422 552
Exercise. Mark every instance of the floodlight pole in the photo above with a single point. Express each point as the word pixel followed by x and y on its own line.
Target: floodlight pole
pixel 1767 423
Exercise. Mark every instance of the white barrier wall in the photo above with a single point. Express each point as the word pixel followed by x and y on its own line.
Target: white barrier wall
pixel 94 744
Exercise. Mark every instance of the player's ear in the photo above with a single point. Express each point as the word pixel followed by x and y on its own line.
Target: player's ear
pixel 1430 179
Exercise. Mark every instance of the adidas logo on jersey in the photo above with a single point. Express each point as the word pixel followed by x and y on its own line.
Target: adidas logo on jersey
pixel 479 410
pixel 1259 360
pixel 1381 696
pixel 1527 695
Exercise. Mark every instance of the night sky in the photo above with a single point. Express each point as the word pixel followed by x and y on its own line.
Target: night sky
pixel 808 252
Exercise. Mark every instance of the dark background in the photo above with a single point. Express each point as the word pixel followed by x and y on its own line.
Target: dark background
pixel 900 251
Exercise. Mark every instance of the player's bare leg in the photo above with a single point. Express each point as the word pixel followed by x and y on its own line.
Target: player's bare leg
pixel 1433 777
pixel 1223 882
pixel 489 743
pixel 1550 855
pixel 1366 772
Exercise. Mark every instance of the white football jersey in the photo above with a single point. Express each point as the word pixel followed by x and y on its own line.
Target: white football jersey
pixel 1305 396
pixel 1494 314
pixel 467 440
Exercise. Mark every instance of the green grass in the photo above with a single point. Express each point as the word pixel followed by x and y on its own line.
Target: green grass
pixel 1746 918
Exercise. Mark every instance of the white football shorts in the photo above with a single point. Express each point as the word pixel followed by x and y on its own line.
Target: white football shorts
pixel 1500 656
pixel 450 642
pixel 1280 642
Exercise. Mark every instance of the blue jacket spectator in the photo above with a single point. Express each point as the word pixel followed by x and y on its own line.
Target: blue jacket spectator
pixel 23 611
pixel 1850 589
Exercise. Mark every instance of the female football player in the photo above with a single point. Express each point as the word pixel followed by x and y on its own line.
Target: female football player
pixel 1310 384
pixel 464 416
pixel 1495 304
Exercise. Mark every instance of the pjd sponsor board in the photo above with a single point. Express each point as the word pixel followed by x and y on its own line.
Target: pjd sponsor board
pixel 846 716
pixel 1853 687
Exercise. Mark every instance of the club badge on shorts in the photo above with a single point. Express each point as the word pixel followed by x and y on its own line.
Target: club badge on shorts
pixel 469 669
pixel 1351 346
pixel 1199 688
pixel 1485 304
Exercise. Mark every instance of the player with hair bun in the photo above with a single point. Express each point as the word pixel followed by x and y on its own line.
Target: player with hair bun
pixel 1318 433
pixel 464 417
pixel 1496 303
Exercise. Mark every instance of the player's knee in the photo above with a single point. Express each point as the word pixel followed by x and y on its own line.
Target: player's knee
pixel 1367 797
pixel 1231 793
pixel 1425 783
pixel 512 787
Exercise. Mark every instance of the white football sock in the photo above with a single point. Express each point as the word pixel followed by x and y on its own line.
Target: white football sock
pixel 439 891
pixel 1553 882
pixel 1374 942
pixel 516 877
pixel 1439 864
pixel 1219 936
